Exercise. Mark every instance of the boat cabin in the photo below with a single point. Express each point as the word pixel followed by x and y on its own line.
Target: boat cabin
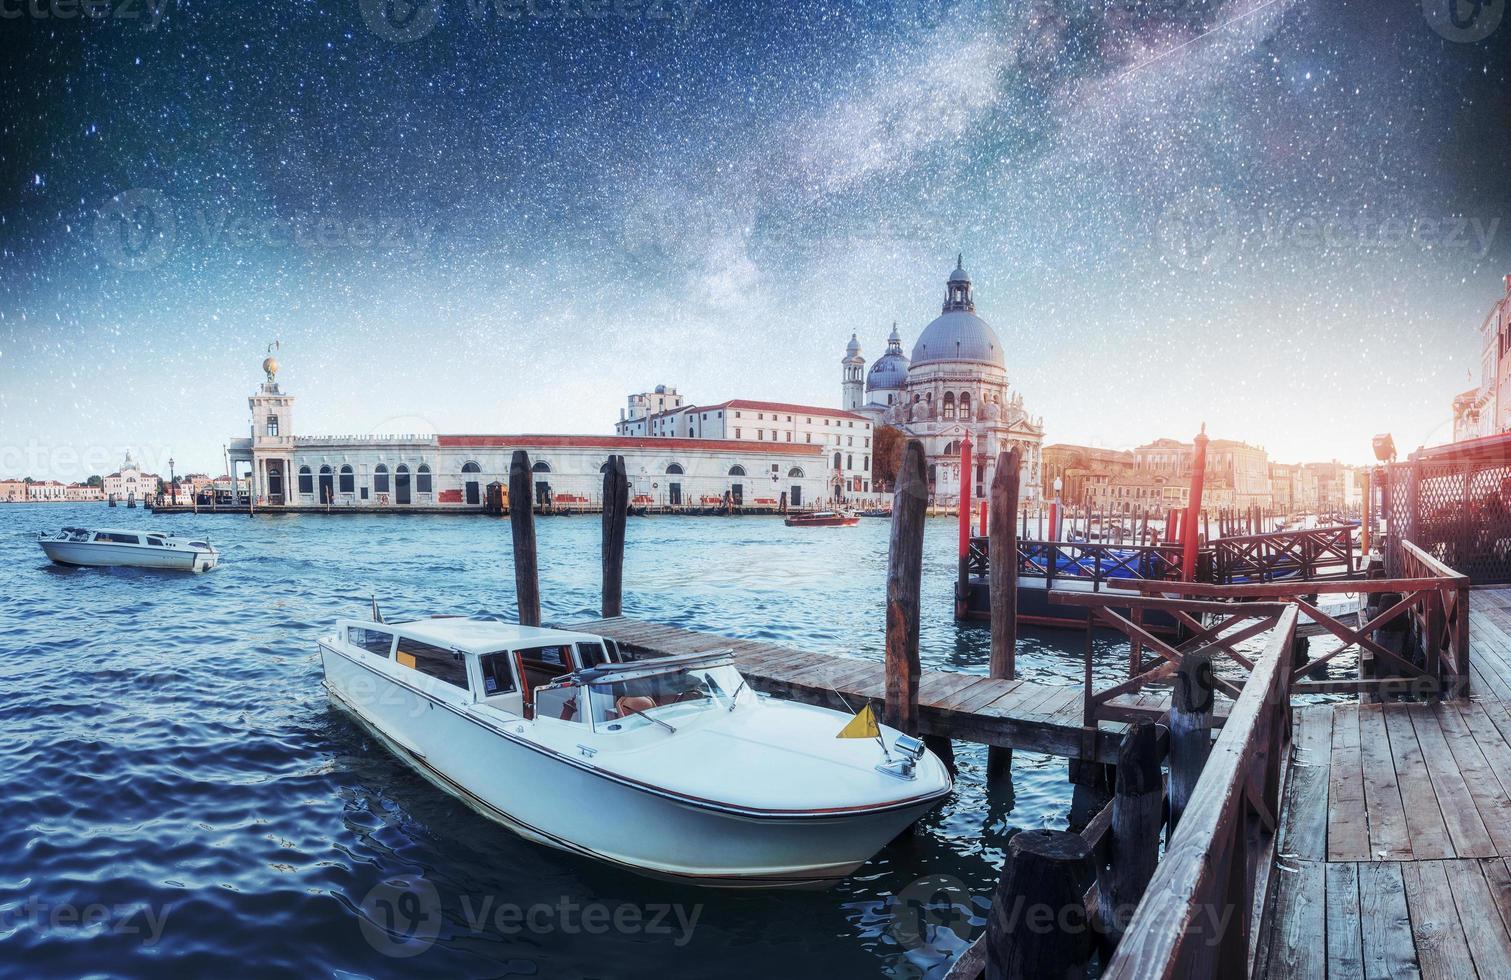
pixel 536 673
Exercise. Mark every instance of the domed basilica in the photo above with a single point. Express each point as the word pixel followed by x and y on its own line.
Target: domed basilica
pixel 955 382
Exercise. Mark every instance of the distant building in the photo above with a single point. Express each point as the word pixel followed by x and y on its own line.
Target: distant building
pixel 647 403
pixel 1235 466
pixel 12 491
pixel 954 383
pixel 452 472
pixel 130 482
pixel 1074 465
pixel 1485 409
pixel 844 436
pixel 83 492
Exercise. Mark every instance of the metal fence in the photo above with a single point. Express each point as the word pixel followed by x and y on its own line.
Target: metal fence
pixel 1454 502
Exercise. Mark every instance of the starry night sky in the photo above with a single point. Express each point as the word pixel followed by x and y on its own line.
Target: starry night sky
pixel 470 220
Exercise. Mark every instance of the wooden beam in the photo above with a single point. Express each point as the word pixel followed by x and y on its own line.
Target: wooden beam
pixel 904 576
pixel 1003 554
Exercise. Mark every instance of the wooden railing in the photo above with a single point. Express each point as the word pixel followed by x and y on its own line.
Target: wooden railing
pixel 1093 562
pixel 1208 893
pixel 1311 554
pixel 1432 597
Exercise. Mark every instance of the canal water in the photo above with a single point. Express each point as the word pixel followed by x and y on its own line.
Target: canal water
pixel 179 795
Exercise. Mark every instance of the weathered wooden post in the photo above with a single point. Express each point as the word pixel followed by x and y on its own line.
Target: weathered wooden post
pixel 1038 926
pixel 1136 811
pixel 616 503
pixel 1003 549
pixel 904 572
pixel 522 523
pixel 1366 517
pixel 1190 728
pixel 963 515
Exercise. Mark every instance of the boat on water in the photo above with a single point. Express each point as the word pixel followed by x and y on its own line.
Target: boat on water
pixel 822 518
pixel 111 547
pixel 671 767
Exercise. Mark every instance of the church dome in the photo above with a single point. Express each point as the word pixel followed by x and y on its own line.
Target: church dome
pixel 958 334
pixel 890 371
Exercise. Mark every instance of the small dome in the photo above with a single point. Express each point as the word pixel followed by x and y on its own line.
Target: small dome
pixel 960 275
pixel 890 371
pixel 853 347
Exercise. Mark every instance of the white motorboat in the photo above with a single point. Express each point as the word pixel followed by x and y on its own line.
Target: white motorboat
pixel 671 767
pixel 104 547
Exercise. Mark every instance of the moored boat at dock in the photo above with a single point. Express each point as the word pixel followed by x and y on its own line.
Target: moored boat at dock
pixel 671 767
pixel 823 518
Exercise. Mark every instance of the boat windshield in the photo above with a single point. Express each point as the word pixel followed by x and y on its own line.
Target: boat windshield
pixel 645 700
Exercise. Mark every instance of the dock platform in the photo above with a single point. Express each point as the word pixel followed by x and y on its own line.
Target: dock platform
pixel 1394 854
pixel 1017 714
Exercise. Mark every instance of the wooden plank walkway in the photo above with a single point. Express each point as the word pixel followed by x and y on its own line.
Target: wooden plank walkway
pixel 1017 714
pixel 1394 856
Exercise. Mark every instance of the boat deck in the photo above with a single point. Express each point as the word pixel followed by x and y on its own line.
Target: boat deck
pixel 1394 856
pixel 1017 714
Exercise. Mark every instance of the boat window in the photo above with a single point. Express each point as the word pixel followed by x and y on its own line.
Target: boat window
pixel 199 544
pixel 157 542
pixel 662 695
pixel 373 641
pixel 438 662
pixel 498 674
pixel 118 538
pixel 591 654
pixel 562 703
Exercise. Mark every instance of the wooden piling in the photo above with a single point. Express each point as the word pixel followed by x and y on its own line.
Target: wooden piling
pixel 522 524
pixel 1190 728
pixel 1003 552
pixel 1038 926
pixel 904 573
pixel 616 502
pixel 1137 807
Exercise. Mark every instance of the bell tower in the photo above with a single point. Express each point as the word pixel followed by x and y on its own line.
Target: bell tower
pixel 853 387
pixel 272 443
pixel 957 292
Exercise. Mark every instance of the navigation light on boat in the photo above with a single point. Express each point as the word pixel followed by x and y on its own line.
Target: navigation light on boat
pixel 909 751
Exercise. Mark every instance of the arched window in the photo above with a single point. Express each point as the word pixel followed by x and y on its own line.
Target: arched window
pixel 541 467
pixel 306 480
pixel 380 479
pixel 348 482
pixel 674 470
pixel 836 460
pixel 796 473
pixel 471 468
pixel 952 449
pixel 965 405
pixel 949 404
pixel 737 470
pixel 422 479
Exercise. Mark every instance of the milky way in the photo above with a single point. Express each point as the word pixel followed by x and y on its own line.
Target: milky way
pixel 1284 219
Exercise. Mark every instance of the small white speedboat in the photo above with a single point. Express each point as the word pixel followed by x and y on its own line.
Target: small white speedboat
pixel 671 767
pixel 107 547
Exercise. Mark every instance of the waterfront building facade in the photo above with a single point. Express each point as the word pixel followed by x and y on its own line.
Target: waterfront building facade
pixel 1074 466
pixel 1485 409
pixel 453 472
pixel 12 491
pixel 130 482
pixel 954 383
pixel 845 437
pixel 1238 466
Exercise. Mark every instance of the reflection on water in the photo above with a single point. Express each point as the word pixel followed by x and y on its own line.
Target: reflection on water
pixel 174 769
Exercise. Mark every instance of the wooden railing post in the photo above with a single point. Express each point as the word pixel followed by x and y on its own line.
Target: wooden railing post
pixel 1136 811
pixel 1002 549
pixel 616 502
pixel 1038 926
pixel 522 524
pixel 1190 728
pixel 904 572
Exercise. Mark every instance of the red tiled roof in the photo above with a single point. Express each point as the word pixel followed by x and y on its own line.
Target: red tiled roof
pixel 785 407
pixel 631 442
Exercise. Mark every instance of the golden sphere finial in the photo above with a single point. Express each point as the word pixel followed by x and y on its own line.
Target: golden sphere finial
pixel 270 365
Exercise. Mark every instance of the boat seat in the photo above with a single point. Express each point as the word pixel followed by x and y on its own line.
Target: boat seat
pixel 628 704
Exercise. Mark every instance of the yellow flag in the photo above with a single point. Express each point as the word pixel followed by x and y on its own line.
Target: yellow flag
pixel 863 725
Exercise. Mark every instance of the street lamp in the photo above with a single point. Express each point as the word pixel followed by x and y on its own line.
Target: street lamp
pixel 172 481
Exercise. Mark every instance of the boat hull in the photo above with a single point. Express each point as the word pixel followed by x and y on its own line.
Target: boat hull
pixel 573 806
pixel 822 522
pixel 100 555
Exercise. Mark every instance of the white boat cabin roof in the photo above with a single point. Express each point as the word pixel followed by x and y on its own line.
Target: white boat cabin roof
pixel 474 635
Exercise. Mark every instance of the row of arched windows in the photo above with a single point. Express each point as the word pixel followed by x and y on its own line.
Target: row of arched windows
pixel 951 406
pixel 346 479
